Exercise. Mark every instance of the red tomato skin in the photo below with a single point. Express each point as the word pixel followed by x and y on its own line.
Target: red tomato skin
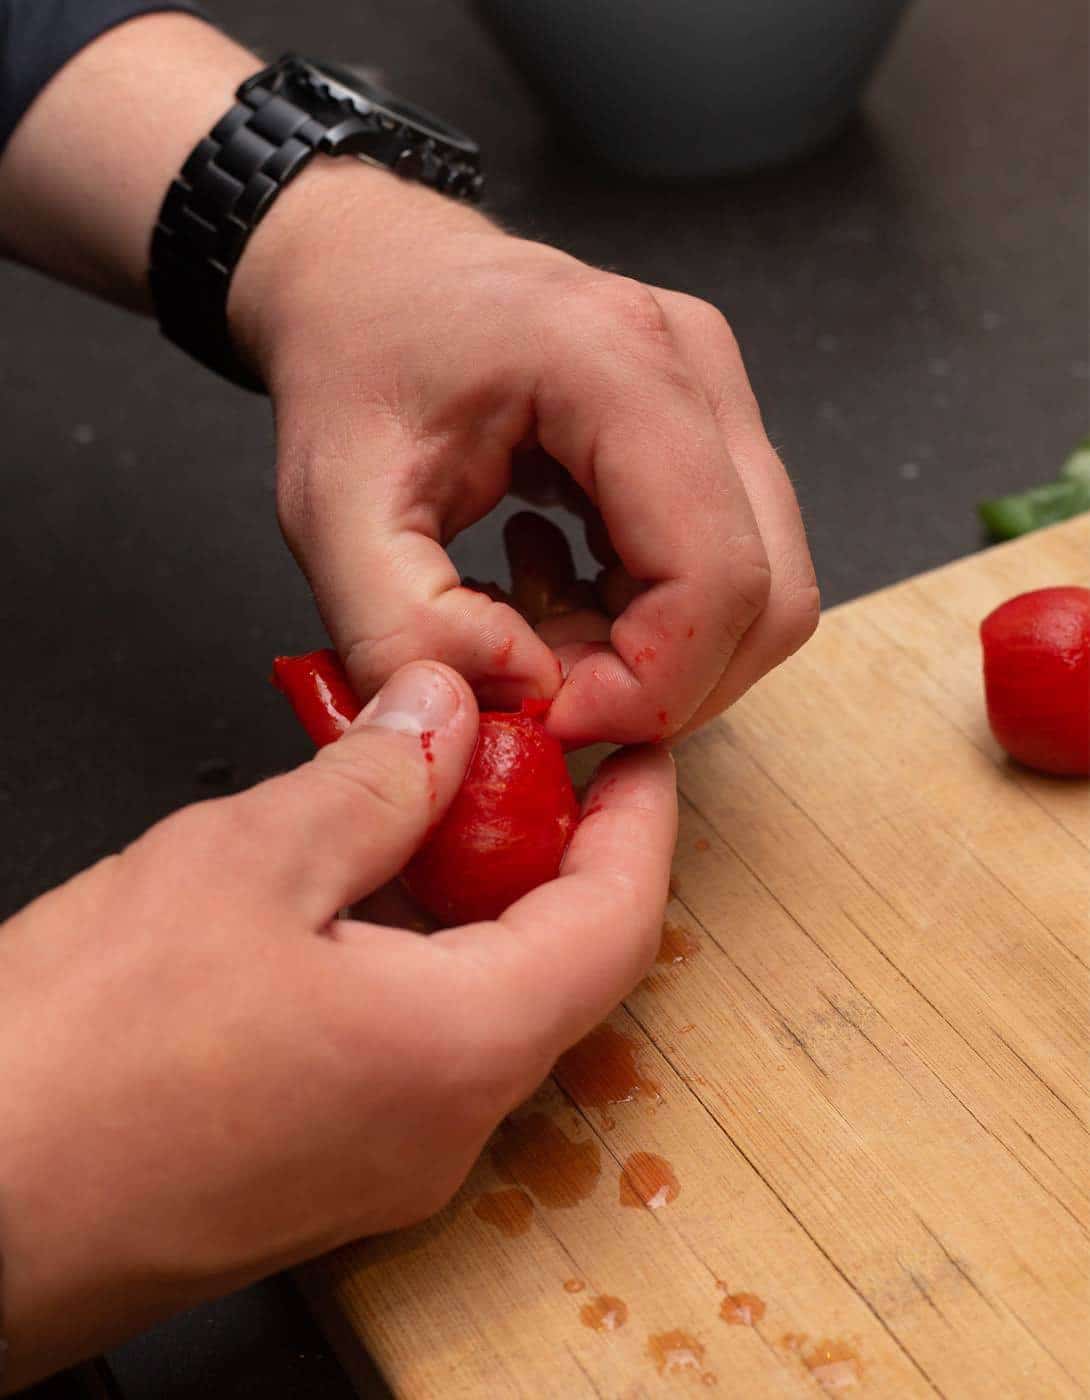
pixel 507 829
pixel 1037 678
pixel 319 691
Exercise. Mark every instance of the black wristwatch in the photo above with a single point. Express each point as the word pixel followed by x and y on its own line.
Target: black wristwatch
pixel 284 116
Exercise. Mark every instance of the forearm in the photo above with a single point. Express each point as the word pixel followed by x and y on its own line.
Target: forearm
pixel 85 171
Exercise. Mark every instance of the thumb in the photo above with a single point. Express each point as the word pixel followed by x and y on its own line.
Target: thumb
pixel 343 824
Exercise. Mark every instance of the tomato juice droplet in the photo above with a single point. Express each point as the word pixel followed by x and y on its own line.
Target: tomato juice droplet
pixel 677 945
pixel 834 1365
pixel 604 1313
pixel 510 1211
pixel 742 1309
pixel 675 1351
pixel 604 1069
pixel 501 655
pixel 534 1153
pixel 574 1285
pixel 643 655
pixel 700 844
pixel 662 717
pixel 647 1180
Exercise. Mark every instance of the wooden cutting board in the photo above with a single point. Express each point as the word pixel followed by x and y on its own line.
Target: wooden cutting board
pixel 851 1155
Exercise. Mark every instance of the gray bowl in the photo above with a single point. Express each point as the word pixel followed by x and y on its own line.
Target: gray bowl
pixel 691 88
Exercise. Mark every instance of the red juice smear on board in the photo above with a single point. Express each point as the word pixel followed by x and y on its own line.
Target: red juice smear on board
pixel 510 1211
pixel 603 1069
pixel 675 1351
pixel 648 1180
pixel 677 945
pixel 834 1365
pixel 742 1309
pixel 604 1313
pixel 534 1153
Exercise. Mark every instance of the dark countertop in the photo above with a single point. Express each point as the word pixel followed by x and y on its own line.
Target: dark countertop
pixel 911 303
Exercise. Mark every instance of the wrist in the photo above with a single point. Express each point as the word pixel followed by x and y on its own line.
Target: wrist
pixel 338 211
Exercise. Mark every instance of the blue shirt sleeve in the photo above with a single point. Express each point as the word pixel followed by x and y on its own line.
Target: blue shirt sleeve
pixel 38 37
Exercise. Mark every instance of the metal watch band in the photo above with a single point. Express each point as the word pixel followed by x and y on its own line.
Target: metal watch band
pixel 210 210
pixel 283 117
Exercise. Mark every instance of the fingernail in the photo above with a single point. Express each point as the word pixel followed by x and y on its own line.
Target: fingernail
pixel 418 698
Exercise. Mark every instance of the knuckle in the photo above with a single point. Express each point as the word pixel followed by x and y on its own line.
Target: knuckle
pixel 498 1070
pixel 613 303
pixel 497 1062
pixel 461 626
pixel 801 612
pixel 432 1191
pixel 710 323
pixel 747 577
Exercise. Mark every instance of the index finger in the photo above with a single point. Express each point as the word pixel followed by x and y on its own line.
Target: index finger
pixel 369 526
pixel 561 958
pixel 634 426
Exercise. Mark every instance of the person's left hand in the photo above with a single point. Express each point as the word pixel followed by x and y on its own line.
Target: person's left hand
pixel 414 352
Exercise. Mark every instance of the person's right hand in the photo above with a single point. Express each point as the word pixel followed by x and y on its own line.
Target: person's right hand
pixel 209 1075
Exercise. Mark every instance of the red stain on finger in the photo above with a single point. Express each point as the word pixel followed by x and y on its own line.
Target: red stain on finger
pixel 644 655
pixel 425 744
pixel 662 717
pixel 501 654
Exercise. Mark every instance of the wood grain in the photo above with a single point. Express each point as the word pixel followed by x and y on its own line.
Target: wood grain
pixel 870 1059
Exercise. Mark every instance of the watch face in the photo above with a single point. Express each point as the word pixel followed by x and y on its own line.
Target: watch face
pixel 344 83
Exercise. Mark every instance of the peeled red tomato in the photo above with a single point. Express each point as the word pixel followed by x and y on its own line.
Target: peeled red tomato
pixel 507 829
pixel 1037 678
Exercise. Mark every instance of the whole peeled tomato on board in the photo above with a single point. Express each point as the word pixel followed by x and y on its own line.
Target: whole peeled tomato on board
pixel 1037 678
pixel 508 827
